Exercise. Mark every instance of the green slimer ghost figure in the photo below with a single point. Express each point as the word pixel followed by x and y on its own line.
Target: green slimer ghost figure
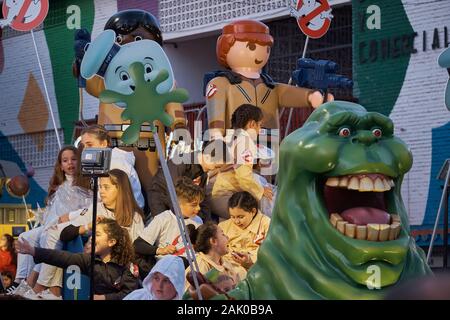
pixel 339 228
pixel 145 104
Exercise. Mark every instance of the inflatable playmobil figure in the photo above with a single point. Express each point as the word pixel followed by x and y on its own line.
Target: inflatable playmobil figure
pixel 339 229
pixel 139 78
pixel 131 26
pixel 244 49
pixel 444 62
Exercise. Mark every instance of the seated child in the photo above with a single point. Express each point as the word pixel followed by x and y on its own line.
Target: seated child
pixel 194 165
pixel 117 202
pixel 8 277
pixel 162 235
pixel 211 246
pixel 164 282
pixel 246 229
pixel 112 277
pixel 246 121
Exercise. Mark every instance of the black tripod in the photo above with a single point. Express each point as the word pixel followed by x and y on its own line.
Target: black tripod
pixel 94 228
pixel 444 174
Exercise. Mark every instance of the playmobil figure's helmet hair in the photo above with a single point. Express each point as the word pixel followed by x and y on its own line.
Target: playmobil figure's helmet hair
pixel 127 21
pixel 241 30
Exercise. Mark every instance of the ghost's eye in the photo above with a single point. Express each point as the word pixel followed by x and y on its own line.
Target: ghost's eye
pixel 148 68
pixel 377 133
pixel 345 132
pixel 119 39
pixel 124 76
pixel 138 38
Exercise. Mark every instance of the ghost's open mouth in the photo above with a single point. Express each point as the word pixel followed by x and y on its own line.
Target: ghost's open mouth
pixel 132 87
pixel 358 206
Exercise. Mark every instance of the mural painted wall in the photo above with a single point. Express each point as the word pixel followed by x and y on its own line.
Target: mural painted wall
pixel 395 47
pixel 27 135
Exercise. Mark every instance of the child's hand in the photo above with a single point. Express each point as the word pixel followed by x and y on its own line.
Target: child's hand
pixel 99 297
pixel 169 249
pixel 22 246
pixel 63 218
pixel 243 259
pixel 197 180
pixel 268 193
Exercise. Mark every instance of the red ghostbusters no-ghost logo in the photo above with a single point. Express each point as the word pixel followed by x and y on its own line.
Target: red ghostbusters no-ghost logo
pixel 24 15
pixel 313 16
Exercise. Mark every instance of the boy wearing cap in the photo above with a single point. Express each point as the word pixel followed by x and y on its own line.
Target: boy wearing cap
pixel 244 49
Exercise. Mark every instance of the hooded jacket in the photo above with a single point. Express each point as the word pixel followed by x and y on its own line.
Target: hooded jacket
pixel 170 266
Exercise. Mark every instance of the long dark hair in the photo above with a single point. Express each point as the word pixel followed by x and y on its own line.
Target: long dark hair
pixel 201 236
pixel 243 200
pixel 122 252
pixel 126 204
pixel 59 177
pixel 10 247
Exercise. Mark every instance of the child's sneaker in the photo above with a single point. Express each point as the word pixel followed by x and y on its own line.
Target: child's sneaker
pixel 10 290
pixel 30 294
pixel 21 288
pixel 47 295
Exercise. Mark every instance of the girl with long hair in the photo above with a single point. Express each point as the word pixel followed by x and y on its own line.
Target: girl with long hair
pixel 114 254
pixel 211 245
pixel 116 202
pixel 246 229
pixel 96 136
pixel 68 191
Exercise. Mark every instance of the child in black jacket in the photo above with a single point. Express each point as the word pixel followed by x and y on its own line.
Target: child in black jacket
pixel 113 279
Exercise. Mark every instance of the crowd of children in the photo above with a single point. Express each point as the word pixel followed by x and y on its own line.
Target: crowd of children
pixel 139 248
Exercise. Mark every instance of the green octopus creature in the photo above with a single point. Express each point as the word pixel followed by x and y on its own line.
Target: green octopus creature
pixel 304 255
pixel 145 104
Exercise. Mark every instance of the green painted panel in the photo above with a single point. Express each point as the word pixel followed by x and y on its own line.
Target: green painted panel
pixel 381 56
pixel 60 45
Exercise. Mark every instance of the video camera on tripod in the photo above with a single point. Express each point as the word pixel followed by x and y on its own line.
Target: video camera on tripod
pixel 95 162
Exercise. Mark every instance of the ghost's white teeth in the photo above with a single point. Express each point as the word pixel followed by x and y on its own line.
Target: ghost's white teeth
pixel 350 230
pixel 362 183
pixel 384 232
pixel 365 184
pixel 372 231
pixel 334 218
pixel 378 185
pixel 395 218
pixel 394 231
pixel 341 226
pixel 353 184
pixel 343 182
pixel 332 182
pixel 361 232
pixel 387 186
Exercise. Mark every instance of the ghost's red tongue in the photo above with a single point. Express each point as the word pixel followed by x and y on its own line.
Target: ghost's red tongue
pixel 365 215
